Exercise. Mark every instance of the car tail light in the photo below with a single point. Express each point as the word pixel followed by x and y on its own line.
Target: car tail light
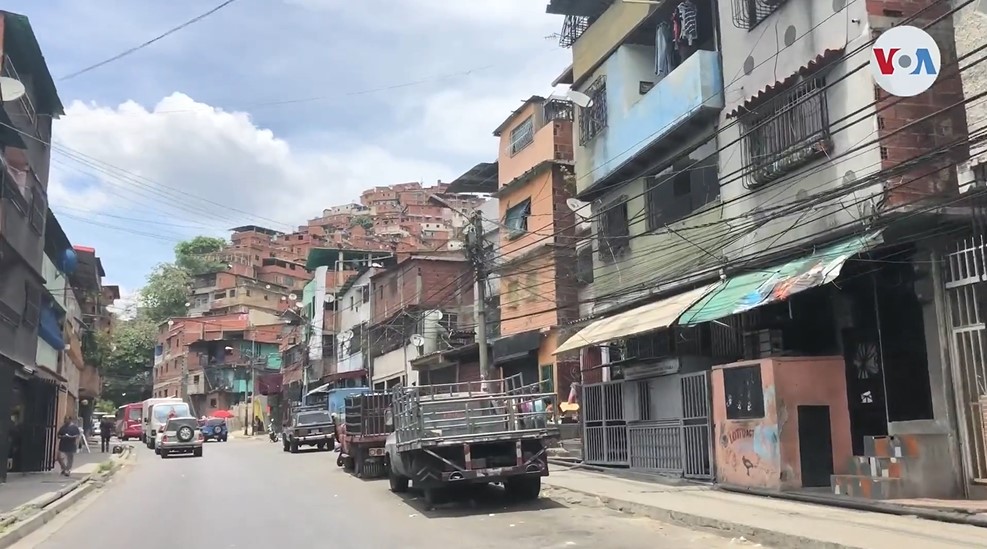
pixel 164 438
pixel 200 436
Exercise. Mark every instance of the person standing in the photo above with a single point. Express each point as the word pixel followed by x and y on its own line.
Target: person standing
pixel 68 445
pixel 106 427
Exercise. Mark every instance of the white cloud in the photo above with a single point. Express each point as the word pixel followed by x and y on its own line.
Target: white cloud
pixel 211 165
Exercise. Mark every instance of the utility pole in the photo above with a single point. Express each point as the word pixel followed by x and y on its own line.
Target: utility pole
pixel 184 387
pixel 476 252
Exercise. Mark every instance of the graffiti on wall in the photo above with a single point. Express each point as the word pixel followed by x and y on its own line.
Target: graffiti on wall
pixel 750 450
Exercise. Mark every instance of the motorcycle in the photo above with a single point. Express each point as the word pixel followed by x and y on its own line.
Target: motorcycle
pixel 272 434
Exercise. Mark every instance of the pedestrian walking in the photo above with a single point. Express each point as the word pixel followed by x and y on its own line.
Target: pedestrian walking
pixel 68 444
pixel 106 426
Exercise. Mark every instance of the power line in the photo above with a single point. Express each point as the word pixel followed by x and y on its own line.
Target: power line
pixel 135 49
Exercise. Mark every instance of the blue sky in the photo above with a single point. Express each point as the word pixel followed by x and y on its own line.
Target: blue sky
pixel 271 110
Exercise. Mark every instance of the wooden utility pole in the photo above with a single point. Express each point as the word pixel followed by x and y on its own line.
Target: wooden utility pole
pixel 476 253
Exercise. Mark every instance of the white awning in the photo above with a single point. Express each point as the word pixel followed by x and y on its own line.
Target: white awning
pixel 317 390
pixel 646 318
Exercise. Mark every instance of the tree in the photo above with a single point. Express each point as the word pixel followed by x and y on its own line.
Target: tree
pixel 165 295
pixel 129 359
pixel 364 221
pixel 190 255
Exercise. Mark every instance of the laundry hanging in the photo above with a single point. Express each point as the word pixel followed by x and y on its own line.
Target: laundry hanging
pixel 689 30
pixel 664 52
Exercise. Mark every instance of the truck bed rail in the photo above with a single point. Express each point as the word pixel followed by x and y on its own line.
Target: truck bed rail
pixel 452 413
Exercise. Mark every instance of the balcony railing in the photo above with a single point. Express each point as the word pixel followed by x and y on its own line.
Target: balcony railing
pixel 572 28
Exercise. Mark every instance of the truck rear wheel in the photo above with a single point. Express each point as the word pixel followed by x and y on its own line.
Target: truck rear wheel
pixel 399 484
pixel 525 488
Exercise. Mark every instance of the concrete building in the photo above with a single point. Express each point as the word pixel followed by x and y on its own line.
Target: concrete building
pixel 724 207
pixel 25 130
pixel 536 261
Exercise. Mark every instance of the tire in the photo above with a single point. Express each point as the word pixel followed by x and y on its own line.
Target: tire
pixel 185 433
pixel 526 488
pixel 398 484
pixel 164 455
pixel 197 452
pixel 157 451
pixel 339 460
pixel 294 447
pixel 433 496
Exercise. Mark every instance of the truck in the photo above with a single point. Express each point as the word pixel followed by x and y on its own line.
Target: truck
pixel 362 432
pixel 449 435
pixel 308 426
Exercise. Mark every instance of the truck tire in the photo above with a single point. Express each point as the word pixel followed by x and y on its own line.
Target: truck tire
pixel 398 483
pixel 294 447
pixel 526 488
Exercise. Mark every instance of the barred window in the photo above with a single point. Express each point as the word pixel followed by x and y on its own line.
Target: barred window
pixel 614 231
pixel 593 117
pixel 788 131
pixel 39 209
pixel 522 135
pixel 682 189
pixel 748 14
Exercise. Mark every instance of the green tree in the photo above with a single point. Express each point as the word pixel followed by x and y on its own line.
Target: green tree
pixel 130 356
pixel 364 221
pixel 165 295
pixel 190 255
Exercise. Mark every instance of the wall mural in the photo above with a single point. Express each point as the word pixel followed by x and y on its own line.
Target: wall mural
pixel 750 450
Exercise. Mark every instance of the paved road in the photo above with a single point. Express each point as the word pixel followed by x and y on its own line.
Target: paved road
pixel 248 494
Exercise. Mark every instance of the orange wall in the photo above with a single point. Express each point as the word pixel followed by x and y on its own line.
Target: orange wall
pixel 543 148
pixel 540 224
pixel 764 453
pixel 527 299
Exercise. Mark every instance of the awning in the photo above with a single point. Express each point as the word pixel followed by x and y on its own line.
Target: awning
pixel 647 318
pixel 750 290
pixel 319 389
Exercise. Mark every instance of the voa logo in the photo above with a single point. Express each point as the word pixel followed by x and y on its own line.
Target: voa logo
pixel 905 61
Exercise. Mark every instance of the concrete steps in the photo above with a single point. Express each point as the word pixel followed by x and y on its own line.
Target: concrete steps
pixel 883 471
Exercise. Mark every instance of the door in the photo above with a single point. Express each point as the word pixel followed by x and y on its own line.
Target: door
pixel 815 446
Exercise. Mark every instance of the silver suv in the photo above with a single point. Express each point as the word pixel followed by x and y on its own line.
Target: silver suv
pixel 181 435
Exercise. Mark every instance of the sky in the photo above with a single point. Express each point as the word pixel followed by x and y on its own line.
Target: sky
pixel 269 111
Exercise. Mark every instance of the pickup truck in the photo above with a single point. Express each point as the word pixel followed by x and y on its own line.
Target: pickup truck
pixel 308 428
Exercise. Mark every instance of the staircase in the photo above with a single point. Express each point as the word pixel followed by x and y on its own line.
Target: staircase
pixel 891 468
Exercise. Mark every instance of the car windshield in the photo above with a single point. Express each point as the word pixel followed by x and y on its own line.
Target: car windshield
pixel 174 424
pixel 215 422
pixel 308 418
pixel 134 414
pixel 162 411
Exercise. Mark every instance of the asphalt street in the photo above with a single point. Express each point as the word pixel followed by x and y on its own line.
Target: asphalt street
pixel 249 494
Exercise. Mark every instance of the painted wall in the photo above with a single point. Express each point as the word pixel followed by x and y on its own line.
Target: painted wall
pixel 764 453
pixel 540 150
pixel 635 121
pixel 773 62
pixel 314 296
pixel 600 39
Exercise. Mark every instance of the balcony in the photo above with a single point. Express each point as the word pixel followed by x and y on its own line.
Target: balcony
pixel 640 127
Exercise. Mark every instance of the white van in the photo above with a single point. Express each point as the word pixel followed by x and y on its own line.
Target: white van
pixel 155 412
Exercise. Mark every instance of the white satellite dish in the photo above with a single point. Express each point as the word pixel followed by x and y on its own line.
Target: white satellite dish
pixel 299 304
pixel 293 297
pixel 434 314
pixel 11 89
pixel 579 207
pixel 417 340
pixel 346 336
pixel 579 98
pixel 330 298
pixel 267 287
pixel 284 298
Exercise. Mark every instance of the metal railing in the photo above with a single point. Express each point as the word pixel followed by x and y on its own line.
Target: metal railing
pixel 461 412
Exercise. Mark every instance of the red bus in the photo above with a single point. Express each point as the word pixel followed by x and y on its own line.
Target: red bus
pixel 129 422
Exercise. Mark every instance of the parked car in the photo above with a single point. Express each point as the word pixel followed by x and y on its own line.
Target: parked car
pixel 308 428
pixel 180 435
pixel 215 429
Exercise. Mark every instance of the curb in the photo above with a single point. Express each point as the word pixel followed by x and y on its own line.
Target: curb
pixel 28 518
pixel 724 528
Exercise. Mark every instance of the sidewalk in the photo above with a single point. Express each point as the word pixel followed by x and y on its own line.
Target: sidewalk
pixel 772 522
pixel 21 488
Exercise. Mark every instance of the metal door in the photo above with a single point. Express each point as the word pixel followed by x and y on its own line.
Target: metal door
pixel 604 426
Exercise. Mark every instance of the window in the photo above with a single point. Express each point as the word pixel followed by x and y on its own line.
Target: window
pixel 593 117
pixel 32 305
pixel 787 132
pixel 232 292
pixel 39 209
pixel 547 378
pixel 681 189
pixel 584 265
pixel 516 219
pixel 522 135
pixel 748 14
pixel 614 230
pixel 366 293
pixel 195 379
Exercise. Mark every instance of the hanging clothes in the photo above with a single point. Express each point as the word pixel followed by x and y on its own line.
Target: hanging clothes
pixel 664 52
pixel 687 16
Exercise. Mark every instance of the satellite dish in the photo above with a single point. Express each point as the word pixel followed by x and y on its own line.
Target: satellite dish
pixel 292 297
pixel 330 298
pixel 417 340
pixel 267 287
pixel 578 207
pixel 579 98
pixel 299 304
pixel 346 336
pixel 11 89
pixel 434 314
pixel 284 298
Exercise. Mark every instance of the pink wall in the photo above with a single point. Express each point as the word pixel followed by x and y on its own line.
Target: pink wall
pixel 764 453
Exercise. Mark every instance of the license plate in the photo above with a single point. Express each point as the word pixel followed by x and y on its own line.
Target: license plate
pixel 315 432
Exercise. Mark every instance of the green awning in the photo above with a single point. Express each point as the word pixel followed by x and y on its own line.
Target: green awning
pixel 754 289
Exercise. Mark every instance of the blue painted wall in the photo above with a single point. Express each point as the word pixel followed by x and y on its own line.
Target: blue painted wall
pixel 635 121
